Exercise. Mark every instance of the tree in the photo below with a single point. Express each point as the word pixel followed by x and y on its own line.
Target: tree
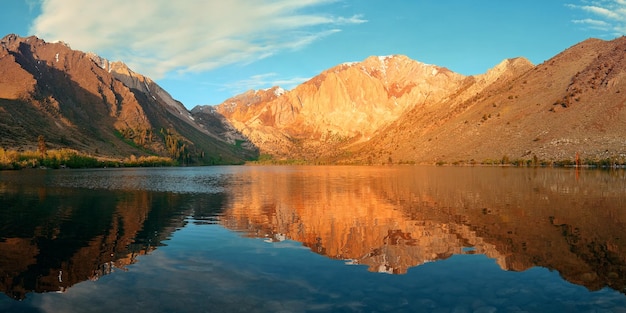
pixel 41 146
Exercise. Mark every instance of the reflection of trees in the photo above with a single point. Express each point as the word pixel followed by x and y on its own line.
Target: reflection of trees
pixel 394 218
pixel 51 239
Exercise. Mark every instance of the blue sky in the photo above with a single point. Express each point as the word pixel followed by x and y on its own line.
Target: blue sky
pixel 205 51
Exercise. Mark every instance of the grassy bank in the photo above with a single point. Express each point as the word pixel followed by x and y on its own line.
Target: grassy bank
pixel 68 158
pixel 535 162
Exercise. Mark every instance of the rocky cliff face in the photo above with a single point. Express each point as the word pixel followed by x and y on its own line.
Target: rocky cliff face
pixel 344 105
pixel 396 110
pixel 347 105
pixel 569 105
pixel 85 102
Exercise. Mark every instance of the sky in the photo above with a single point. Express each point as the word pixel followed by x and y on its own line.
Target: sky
pixel 206 51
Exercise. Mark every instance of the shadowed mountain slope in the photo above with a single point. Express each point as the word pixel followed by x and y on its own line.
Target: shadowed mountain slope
pixel 81 101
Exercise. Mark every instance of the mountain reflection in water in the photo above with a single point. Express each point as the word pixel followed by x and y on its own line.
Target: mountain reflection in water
pixel 52 237
pixel 395 218
pixel 58 228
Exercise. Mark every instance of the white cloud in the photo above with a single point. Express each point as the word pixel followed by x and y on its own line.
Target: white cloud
pixel 155 37
pixel 263 81
pixel 355 19
pixel 607 16
pixel 602 12
pixel 593 22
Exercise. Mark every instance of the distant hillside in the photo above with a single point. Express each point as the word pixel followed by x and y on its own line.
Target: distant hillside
pixel 397 110
pixel 78 100
pixel 572 104
pixel 387 109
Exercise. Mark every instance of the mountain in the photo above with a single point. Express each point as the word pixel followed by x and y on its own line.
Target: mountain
pixel 81 101
pixel 388 109
pixel 344 105
pixel 396 110
pixel 567 106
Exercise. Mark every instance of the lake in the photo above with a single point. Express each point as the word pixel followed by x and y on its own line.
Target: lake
pixel 313 239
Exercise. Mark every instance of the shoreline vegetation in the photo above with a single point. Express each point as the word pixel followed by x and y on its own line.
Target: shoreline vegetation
pixel 265 159
pixel 69 158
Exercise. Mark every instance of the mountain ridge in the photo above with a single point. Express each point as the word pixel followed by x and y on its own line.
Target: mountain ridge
pixel 81 101
pixel 349 103
pixel 323 111
pixel 515 111
pixel 384 109
pixel 535 115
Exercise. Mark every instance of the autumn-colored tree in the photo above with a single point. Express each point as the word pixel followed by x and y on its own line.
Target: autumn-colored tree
pixel 176 147
pixel 41 146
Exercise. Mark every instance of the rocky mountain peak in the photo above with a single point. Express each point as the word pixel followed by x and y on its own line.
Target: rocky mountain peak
pixel 346 103
pixel 8 40
pixel 85 102
pixel 392 68
pixel 139 82
pixel 103 63
pixel 512 64
pixel 387 108
pixel 13 38
pixel 505 69
pixel 239 106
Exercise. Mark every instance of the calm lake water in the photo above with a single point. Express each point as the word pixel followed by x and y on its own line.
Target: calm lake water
pixel 313 239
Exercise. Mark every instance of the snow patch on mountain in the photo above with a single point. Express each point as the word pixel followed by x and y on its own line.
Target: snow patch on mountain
pixel 279 91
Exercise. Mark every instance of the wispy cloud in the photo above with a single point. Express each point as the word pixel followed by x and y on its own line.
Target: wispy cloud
pixel 262 81
pixel 32 4
pixel 156 37
pixel 594 24
pixel 605 15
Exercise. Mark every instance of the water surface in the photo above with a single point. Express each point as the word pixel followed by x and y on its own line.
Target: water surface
pixel 292 239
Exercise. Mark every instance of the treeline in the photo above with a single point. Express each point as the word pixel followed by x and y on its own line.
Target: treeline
pixel 536 162
pixel 267 159
pixel 69 158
